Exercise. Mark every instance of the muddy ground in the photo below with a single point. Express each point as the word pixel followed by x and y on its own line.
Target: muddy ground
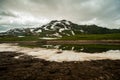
pixel 107 42
pixel 29 68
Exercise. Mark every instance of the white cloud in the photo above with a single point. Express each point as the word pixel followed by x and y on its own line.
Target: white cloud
pixel 23 18
pixel 101 12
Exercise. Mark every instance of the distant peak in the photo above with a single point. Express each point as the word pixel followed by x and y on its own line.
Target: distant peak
pixel 66 22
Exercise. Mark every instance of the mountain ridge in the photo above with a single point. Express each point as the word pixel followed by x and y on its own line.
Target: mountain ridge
pixel 60 28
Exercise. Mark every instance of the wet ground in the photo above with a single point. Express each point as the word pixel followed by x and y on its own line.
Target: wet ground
pixel 29 68
pixel 59 55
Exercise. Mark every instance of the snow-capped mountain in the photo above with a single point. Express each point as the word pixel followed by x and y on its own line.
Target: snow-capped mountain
pixel 60 28
pixel 56 29
pixel 67 28
pixel 20 32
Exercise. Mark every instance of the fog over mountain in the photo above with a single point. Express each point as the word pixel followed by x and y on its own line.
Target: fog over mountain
pixel 34 13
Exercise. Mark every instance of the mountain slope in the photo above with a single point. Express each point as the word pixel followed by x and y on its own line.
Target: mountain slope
pixel 56 29
pixel 67 28
pixel 19 32
pixel 59 29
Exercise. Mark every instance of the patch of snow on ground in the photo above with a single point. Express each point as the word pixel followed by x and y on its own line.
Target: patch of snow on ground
pixel 21 36
pixel 17 57
pixel 47 38
pixel 51 54
pixel 73 48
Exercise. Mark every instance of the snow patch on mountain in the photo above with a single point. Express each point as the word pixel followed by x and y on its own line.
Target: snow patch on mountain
pixel 32 29
pixel 46 28
pixel 62 29
pixel 54 24
pixel 57 35
pixel 81 30
pixel 67 22
pixel 72 32
pixel 38 31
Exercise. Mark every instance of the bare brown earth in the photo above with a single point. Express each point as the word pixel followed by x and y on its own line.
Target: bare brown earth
pixel 29 68
pixel 107 42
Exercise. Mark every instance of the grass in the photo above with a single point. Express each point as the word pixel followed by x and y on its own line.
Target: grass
pixel 93 37
pixel 76 37
pixel 27 38
pixel 95 46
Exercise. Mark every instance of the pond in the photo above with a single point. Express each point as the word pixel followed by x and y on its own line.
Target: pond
pixel 83 48
pixel 60 53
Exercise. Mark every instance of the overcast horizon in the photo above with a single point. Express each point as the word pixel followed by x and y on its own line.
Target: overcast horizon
pixel 21 13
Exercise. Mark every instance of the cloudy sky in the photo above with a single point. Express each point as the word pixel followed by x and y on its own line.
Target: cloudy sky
pixel 14 13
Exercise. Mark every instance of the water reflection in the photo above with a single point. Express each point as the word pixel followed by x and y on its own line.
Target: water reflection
pixel 83 48
pixel 64 55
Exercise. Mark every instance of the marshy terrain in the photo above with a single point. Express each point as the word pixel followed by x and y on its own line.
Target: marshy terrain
pixel 31 62
pixel 29 68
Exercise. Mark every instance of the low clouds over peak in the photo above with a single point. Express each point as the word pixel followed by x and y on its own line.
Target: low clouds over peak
pixel 101 12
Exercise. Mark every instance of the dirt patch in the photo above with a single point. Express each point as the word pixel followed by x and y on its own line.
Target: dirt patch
pixel 107 42
pixel 29 68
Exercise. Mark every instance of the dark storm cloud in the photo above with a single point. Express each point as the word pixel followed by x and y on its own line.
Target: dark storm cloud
pixel 102 12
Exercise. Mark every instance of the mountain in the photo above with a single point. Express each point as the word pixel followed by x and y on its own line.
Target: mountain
pixel 56 29
pixel 67 28
pixel 19 32
pixel 61 28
